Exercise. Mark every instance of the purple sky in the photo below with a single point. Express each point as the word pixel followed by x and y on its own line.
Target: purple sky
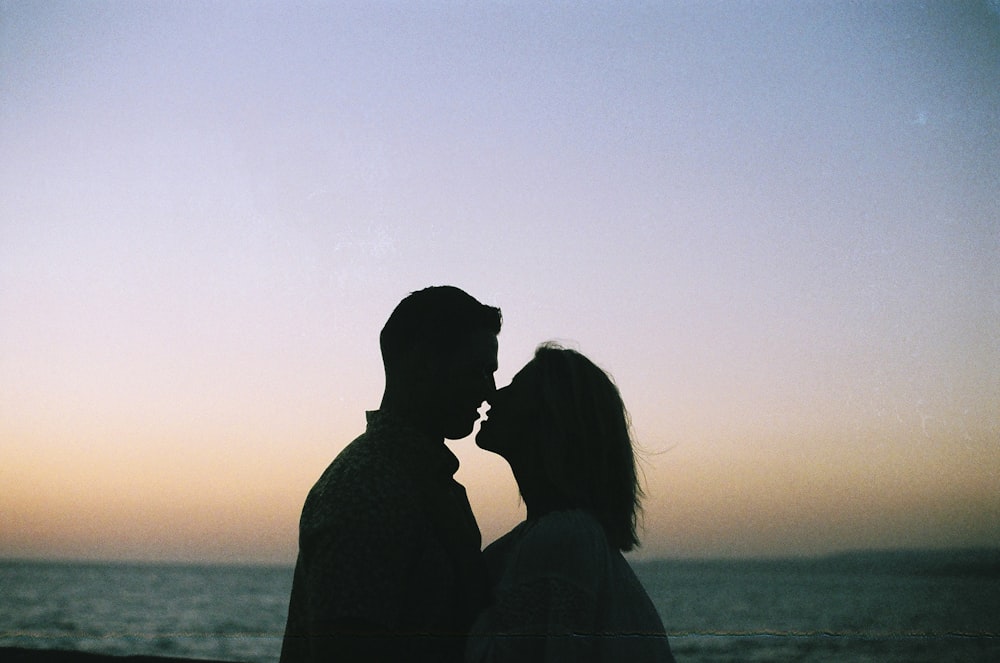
pixel 775 223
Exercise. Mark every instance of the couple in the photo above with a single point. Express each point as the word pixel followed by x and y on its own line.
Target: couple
pixel 389 565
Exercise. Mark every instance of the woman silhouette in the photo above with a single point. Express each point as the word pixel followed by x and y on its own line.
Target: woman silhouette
pixel 562 591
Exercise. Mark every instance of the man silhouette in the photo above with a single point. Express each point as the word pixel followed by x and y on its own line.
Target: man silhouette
pixel 389 565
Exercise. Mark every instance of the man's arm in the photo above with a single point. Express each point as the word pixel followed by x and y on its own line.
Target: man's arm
pixel 355 560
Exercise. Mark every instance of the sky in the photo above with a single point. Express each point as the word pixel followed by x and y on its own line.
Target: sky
pixel 776 224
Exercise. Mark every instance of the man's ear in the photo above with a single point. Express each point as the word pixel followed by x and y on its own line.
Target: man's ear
pixel 423 364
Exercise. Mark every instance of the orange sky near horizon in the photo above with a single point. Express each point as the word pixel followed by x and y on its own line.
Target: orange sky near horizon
pixel 776 225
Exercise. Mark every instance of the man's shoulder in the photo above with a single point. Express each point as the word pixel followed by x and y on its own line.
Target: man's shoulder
pixel 365 478
pixel 371 455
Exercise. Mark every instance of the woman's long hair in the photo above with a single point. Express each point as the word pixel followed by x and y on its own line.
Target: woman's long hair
pixel 586 450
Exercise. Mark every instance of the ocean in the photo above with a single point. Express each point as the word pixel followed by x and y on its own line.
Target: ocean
pixel 886 607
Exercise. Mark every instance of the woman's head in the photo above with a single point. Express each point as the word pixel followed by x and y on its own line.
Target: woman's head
pixel 563 427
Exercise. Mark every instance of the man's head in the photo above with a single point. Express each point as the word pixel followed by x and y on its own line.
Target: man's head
pixel 439 349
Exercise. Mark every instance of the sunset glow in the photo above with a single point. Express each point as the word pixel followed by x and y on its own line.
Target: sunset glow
pixel 777 225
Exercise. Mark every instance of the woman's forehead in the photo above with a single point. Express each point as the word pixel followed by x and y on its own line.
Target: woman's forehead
pixel 527 373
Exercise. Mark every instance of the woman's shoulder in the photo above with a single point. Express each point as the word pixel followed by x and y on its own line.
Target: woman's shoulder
pixel 575 525
pixel 572 542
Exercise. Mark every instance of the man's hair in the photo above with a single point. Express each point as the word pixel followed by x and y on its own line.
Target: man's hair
pixel 586 452
pixel 434 320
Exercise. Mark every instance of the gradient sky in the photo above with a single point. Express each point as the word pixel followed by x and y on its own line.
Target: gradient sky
pixel 777 224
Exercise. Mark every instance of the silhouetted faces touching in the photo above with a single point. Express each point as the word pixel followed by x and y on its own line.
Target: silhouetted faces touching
pixel 513 429
pixel 512 425
pixel 439 348
pixel 562 426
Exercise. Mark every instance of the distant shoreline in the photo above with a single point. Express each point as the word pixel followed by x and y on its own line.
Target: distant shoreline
pixel 976 555
pixel 28 655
